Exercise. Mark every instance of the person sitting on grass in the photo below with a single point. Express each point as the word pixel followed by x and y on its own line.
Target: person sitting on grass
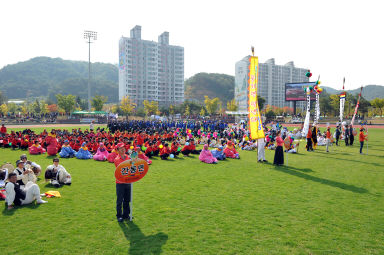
pixel 17 195
pixel 175 149
pixel 230 151
pixel 24 175
pixel 31 165
pixel 111 157
pixel 218 153
pixel 142 156
pixel 66 150
pixel 57 174
pixel 36 149
pixel 102 153
pixel 206 156
pixel 165 152
pixel 83 152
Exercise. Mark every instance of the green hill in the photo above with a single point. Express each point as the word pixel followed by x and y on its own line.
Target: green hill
pixel 369 92
pixel 210 84
pixel 44 76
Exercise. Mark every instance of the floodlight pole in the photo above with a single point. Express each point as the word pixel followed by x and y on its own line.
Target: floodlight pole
pixel 89 74
pixel 89 35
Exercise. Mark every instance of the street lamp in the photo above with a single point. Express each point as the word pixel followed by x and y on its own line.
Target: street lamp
pixel 88 35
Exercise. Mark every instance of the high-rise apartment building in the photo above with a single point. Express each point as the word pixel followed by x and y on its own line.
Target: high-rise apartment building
pixel 272 80
pixel 149 70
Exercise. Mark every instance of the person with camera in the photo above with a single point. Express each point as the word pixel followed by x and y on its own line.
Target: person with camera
pixel 31 165
pixel 57 174
pixel 18 195
pixel 24 175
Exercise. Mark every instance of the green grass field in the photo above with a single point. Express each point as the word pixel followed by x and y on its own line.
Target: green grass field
pixel 322 203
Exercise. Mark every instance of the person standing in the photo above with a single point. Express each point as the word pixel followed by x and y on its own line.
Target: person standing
pixel 123 190
pixel 309 140
pixel 337 135
pixel 279 153
pixel 346 136
pixel 362 138
pixel 351 136
pixel 328 138
pixel 261 150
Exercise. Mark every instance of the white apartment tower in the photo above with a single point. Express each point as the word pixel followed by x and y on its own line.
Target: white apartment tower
pixel 149 70
pixel 272 80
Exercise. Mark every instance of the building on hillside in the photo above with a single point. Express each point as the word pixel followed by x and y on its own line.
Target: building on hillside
pixel 149 70
pixel 272 80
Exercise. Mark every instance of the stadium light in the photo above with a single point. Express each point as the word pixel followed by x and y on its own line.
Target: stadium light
pixel 89 35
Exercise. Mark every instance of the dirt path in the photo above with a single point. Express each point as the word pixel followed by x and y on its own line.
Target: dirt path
pixel 52 125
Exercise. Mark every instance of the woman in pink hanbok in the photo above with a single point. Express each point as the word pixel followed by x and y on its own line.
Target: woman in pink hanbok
pixel 206 156
pixel 101 154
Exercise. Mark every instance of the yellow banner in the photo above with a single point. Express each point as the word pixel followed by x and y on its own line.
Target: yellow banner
pixel 255 124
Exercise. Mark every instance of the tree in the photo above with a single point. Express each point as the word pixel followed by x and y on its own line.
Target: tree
pixel 4 109
pixel 52 108
pixel 378 103
pixel 325 106
pixel 261 102
pixel 202 112
pixel 12 107
pixel 151 107
pixel 270 114
pixel 98 102
pixel 66 103
pixel 364 105
pixel 3 98
pixel 127 106
pixel 81 103
pixel 232 105
pixel 211 105
pixel 335 104
pixel 187 112
pixel 36 108
pixel 171 110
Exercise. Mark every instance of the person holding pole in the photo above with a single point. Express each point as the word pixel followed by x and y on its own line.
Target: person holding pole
pixel 123 190
pixel 362 138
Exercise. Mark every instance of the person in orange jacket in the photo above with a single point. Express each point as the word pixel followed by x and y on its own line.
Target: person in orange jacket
pixel 362 138
pixel 309 139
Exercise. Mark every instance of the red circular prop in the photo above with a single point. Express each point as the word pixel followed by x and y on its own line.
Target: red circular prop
pixel 131 170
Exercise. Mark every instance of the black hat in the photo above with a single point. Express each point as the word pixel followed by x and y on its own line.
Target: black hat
pixel 18 162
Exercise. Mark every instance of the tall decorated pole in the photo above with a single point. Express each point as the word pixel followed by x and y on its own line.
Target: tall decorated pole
pixel 318 91
pixel 357 107
pixel 308 90
pixel 255 123
pixel 342 102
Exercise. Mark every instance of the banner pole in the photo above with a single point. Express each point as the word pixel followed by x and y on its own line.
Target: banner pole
pixel 131 203
pixel 367 135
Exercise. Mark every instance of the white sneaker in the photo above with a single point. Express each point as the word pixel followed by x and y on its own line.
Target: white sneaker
pixel 41 201
pixel 42 195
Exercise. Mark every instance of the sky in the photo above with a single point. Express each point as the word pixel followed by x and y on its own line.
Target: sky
pixel 334 39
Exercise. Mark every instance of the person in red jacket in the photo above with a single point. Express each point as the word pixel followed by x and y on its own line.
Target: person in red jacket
pixel 165 152
pixel 123 190
pixel 3 130
pixel 175 149
pixel 362 138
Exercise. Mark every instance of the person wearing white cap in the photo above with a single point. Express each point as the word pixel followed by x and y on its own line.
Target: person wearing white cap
pixel 17 195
